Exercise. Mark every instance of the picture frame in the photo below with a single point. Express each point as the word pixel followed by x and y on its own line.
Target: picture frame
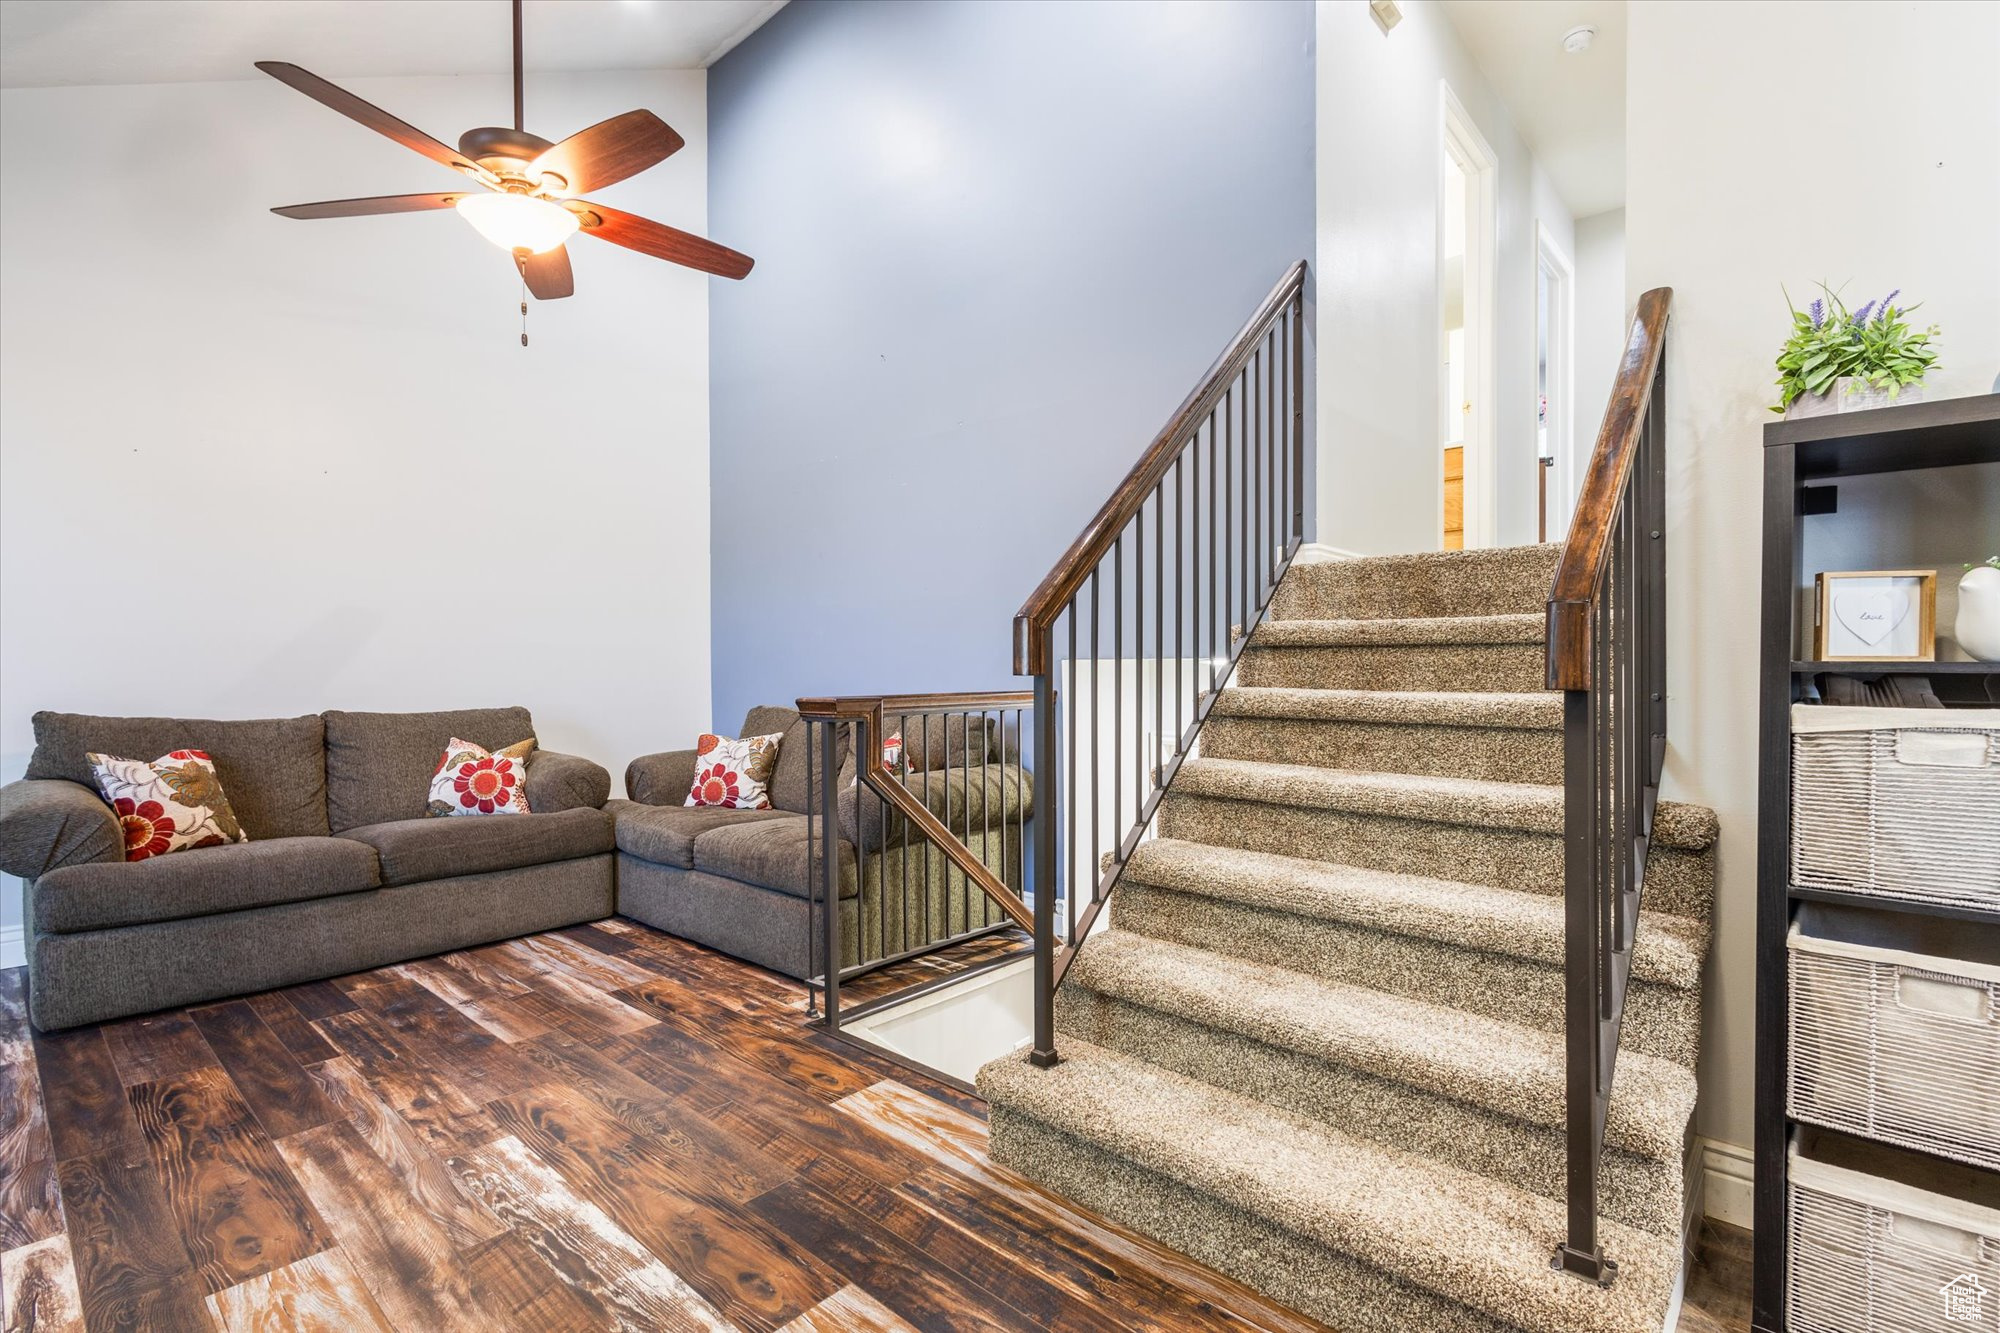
pixel 1875 615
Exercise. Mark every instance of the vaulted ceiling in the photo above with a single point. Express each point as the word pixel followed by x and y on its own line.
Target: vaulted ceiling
pixel 55 43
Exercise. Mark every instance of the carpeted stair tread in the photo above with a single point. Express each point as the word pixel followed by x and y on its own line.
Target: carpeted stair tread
pixel 1400 631
pixel 1469 1239
pixel 1439 708
pixel 1483 1062
pixel 1667 950
pixel 1531 807
pixel 1495 580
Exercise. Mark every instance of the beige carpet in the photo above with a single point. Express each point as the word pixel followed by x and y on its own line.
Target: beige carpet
pixel 1321 1046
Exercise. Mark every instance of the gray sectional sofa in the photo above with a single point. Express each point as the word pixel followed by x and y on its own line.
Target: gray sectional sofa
pixel 742 881
pixel 342 872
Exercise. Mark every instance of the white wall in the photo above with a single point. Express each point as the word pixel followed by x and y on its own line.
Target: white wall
pixel 1602 324
pixel 1724 202
pixel 244 460
pixel 1378 135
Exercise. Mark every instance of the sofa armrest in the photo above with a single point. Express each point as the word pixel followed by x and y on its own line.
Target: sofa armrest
pixel 49 823
pixel 661 779
pixel 558 782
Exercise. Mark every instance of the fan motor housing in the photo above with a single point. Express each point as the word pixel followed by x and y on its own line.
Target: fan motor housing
pixel 505 152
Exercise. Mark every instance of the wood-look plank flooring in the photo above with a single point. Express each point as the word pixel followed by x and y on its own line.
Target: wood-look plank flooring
pixel 598 1128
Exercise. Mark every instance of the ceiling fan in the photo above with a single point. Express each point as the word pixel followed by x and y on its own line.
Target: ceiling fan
pixel 527 202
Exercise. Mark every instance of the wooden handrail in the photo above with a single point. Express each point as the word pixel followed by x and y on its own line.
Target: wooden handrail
pixel 869 709
pixel 1580 571
pixel 847 708
pixel 1039 612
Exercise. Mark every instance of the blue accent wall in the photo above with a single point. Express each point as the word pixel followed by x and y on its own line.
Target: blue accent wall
pixel 996 244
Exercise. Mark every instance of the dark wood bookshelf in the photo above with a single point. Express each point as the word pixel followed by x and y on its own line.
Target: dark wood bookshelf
pixel 1953 432
pixel 1897 668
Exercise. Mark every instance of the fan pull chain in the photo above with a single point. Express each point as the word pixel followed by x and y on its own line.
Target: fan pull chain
pixel 524 314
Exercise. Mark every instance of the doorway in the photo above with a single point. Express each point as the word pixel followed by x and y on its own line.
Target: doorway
pixel 1465 247
pixel 1555 369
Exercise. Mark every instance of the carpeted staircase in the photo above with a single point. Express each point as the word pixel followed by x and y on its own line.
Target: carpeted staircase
pixel 1320 1047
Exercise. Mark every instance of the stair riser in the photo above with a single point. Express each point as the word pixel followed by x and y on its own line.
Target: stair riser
pixel 1659 1020
pixel 1496 667
pixel 1638 1191
pixel 1677 882
pixel 1498 754
pixel 1512 582
pixel 1338 1289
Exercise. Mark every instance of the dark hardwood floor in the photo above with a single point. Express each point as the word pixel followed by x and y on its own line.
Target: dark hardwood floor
pixel 602 1127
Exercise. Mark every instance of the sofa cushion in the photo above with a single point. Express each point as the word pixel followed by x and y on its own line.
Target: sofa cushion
pixel 771 854
pixel 665 834
pixel 789 788
pixel 201 883
pixel 274 769
pixel 379 765
pixel 421 849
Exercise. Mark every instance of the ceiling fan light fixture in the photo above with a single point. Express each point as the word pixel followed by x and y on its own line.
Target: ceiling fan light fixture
pixel 517 222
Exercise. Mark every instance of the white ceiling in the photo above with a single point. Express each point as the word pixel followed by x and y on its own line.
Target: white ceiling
pixel 56 43
pixel 1569 108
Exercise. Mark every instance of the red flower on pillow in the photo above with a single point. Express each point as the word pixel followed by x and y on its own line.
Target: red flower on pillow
pixel 191 754
pixel 148 830
pixel 716 785
pixel 485 783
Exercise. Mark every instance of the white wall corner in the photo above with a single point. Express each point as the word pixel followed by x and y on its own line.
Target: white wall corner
pixel 13 948
pixel 1727 1176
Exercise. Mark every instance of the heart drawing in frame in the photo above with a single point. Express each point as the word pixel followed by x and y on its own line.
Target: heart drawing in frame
pixel 1875 615
pixel 1871 615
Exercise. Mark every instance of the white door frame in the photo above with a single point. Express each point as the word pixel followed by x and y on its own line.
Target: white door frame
pixel 1460 140
pixel 1561 342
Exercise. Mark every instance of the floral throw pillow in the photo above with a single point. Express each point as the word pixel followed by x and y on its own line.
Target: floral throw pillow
pixel 174 802
pixel 734 774
pixel 470 780
pixel 894 762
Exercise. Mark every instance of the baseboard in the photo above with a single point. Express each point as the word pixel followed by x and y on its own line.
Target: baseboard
pixel 13 948
pixel 1728 1175
pixel 1319 553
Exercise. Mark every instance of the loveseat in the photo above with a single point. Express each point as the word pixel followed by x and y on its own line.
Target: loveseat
pixel 342 870
pixel 744 881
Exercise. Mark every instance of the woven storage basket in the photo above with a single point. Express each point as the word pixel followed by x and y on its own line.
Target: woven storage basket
pixel 1897 802
pixel 1901 1047
pixel 1869 1255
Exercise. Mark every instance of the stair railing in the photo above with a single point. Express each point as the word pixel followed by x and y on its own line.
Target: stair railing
pixel 1133 634
pixel 913 860
pixel 1607 653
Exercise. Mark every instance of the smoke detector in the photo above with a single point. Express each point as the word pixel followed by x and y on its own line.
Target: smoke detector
pixel 1578 39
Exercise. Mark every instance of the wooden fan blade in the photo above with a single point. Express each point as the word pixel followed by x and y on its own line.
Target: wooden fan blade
pixel 547 274
pixel 609 151
pixel 659 241
pixel 357 208
pixel 374 117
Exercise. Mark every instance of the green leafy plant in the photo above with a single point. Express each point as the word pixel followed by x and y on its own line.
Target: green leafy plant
pixel 1873 344
pixel 1992 560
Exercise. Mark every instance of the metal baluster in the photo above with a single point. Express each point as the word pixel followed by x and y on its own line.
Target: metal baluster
pixel 812 863
pixel 1213 589
pixel 1117 693
pixel 1228 526
pixel 829 820
pixel 1043 1052
pixel 1298 310
pixel 1180 587
pixel 1096 729
pixel 1159 634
